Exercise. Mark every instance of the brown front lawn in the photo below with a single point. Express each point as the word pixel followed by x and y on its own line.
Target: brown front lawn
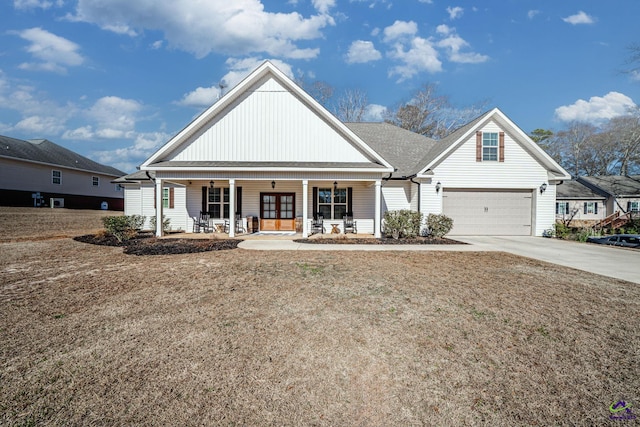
pixel 89 335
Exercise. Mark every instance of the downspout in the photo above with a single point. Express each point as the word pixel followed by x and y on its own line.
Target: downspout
pixel 419 191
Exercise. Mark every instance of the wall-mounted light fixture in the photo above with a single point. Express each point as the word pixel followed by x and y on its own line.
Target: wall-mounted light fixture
pixel 273 185
pixel 543 187
pixel 211 185
pixel 335 186
pixel 438 187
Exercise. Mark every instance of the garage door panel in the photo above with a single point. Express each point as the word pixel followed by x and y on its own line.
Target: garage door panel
pixel 506 212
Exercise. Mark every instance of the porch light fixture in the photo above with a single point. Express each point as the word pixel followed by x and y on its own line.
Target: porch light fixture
pixel 335 186
pixel 273 185
pixel 211 184
pixel 438 187
pixel 543 187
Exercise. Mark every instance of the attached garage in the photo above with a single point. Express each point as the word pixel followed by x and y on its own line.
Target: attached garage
pixel 490 213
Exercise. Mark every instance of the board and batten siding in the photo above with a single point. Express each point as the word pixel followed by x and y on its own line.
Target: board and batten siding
pixel 269 124
pixel 520 170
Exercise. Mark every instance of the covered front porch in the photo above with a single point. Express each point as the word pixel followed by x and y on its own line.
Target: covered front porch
pixel 277 204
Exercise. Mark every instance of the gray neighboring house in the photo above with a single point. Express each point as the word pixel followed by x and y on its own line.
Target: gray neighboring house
pixel 40 173
pixel 579 205
pixel 622 195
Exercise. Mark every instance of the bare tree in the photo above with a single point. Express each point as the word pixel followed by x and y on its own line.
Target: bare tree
pixel 573 145
pixel 623 134
pixel 319 90
pixel 431 114
pixel 351 105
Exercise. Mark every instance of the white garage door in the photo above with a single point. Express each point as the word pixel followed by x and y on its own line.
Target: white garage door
pixel 489 213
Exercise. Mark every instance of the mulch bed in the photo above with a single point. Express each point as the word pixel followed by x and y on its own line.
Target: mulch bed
pixel 381 241
pixel 147 244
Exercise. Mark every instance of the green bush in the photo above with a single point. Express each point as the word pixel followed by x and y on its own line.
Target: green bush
pixel 439 225
pixel 583 234
pixel 166 223
pixel 123 227
pixel 562 231
pixel 402 223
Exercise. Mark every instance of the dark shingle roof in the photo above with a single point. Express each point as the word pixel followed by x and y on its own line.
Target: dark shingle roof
pixel 403 149
pixel 45 151
pixel 615 185
pixel 576 190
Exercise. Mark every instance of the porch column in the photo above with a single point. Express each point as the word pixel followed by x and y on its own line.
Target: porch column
pixel 232 208
pixel 376 221
pixel 159 208
pixel 305 208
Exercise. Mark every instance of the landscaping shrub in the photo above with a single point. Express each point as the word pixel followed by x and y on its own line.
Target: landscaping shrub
pixel 123 227
pixel 402 223
pixel 166 223
pixel 562 231
pixel 439 225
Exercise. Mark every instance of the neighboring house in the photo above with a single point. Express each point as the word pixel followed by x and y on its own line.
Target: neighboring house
pixel 579 205
pixel 41 173
pixel 269 150
pixel 622 194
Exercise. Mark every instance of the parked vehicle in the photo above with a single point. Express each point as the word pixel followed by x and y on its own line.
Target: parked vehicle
pixel 626 240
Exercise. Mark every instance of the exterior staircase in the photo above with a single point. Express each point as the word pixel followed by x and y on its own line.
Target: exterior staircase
pixel 615 220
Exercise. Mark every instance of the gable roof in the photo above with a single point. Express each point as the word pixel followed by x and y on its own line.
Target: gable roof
pixel 447 145
pixel 576 191
pixel 400 147
pixel 46 152
pixel 161 158
pixel 614 185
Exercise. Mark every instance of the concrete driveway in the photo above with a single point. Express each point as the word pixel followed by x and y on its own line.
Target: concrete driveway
pixel 619 263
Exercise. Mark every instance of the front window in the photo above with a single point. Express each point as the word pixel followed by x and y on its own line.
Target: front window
pixel 490 146
pixel 634 207
pixel 562 208
pixel 219 202
pixel 165 198
pixel 591 207
pixel 95 181
pixel 332 203
pixel 56 177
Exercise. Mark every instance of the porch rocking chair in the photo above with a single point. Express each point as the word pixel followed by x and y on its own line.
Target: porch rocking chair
pixel 349 225
pixel 202 223
pixel 317 225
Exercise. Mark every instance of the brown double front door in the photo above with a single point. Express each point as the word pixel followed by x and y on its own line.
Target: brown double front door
pixel 277 212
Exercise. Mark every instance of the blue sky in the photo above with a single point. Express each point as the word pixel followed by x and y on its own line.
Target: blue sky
pixel 115 79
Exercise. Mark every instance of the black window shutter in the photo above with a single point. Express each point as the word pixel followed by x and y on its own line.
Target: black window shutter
pixel 595 208
pixel 628 206
pixel 350 201
pixel 239 201
pixel 585 207
pixel 204 199
pixel 557 204
pixel 315 201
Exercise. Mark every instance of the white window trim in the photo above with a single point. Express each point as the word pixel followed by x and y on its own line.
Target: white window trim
pixel 95 181
pixel 333 203
pixel 491 147
pixel 220 203
pixel 165 198
pixel 634 206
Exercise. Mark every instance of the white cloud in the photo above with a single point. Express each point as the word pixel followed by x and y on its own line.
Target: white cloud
pixel 362 51
pixel 579 18
pixel 455 12
pixel 454 43
pixel 323 6
pixel 400 29
pixel 116 117
pixel 443 29
pixel 128 158
pixel 40 125
pixel 238 27
pixel 200 97
pixel 419 56
pixel 55 53
pixel 374 113
pixel 35 4
pixel 597 109
pixel 157 44
pixel 532 13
